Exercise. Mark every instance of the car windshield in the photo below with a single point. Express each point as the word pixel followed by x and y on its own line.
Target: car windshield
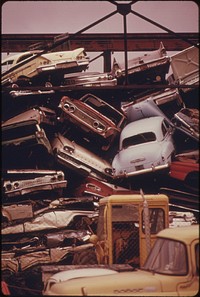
pixel 6 65
pixel 167 257
pixel 103 108
pixel 138 139
pixel 10 63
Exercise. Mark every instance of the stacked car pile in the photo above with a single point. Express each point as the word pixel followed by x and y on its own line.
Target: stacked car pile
pixel 60 147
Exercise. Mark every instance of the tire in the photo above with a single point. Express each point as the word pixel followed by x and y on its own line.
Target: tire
pixel 86 257
pixel 23 81
pixel 192 181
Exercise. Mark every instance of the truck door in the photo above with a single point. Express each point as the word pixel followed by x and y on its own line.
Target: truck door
pixel 190 284
pixel 125 234
pixel 157 222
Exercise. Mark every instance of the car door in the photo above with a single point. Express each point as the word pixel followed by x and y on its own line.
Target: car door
pixel 168 147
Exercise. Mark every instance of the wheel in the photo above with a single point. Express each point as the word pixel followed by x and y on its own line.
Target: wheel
pixel 48 84
pixel 86 257
pixel 192 181
pixel 23 81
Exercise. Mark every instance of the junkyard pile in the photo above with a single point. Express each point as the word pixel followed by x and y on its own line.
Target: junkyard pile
pixel 65 145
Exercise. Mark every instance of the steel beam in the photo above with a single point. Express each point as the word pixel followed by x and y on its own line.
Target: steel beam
pixel 101 42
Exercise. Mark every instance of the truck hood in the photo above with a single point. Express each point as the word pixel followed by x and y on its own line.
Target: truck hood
pixel 119 284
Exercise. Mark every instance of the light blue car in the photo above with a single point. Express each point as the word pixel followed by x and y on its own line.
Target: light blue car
pixel 145 146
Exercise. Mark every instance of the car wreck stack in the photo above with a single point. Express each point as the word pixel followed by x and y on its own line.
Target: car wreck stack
pixel 66 144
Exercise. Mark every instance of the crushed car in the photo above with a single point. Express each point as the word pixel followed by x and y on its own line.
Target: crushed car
pixel 181 219
pixel 17 100
pixel 89 79
pixel 51 219
pixel 49 237
pixel 29 128
pixel 60 238
pixel 185 67
pixel 12 212
pixel 187 121
pixel 80 160
pixel 180 199
pixel 25 181
pixel 26 209
pixel 145 146
pixel 185 74
pixel 98 189
pixel 185 168
pixel 94 116
pixel 169 104
pixel 23 259
pixel 148 68
pixel 37 67
pixel 160 103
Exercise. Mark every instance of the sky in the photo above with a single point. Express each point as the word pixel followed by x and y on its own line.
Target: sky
pixel 71 16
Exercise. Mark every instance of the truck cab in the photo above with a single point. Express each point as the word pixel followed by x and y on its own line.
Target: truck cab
pixel 171 269
pixel 126 229
pixel 123 232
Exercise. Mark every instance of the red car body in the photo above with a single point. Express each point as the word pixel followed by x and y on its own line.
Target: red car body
pixel 181 169
pixel 93 115
pixel 96 188
pixel 185 168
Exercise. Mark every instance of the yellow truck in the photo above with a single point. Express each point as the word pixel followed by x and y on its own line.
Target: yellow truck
pixel 171 269
pixel 126 229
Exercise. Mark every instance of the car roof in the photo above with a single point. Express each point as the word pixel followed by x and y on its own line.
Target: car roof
pixel 134 198
pixel 69 53
pixel 186 233
pixel 18 55
pixel 141 126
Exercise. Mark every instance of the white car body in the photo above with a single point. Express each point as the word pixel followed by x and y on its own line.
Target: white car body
pixel 149 67
pixel 185 67
pixel 53 219
pixel 25 65
pixel 146 145
pixel 161 103
pixel 79 159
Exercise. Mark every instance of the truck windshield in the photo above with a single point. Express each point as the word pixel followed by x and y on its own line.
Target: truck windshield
pixel 156 220
pixel 167 257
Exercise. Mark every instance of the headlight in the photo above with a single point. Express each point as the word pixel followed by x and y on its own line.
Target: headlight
pixel 109 171
pixel 97 125
pixel 110 77
pixel 39 134
pixel 60 176
pixel 69 107
pixel 8 187
pixel 118 72
pixel 16 185
pixel 68 149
